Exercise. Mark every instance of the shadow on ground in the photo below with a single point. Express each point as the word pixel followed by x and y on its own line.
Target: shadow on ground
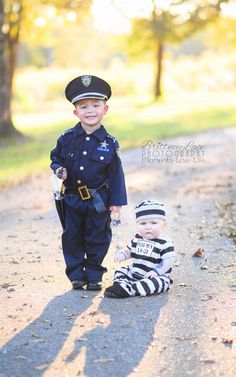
pixel 39 343
pixel 114 350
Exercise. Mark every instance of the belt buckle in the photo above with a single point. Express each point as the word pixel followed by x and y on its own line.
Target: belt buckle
pixel 84 192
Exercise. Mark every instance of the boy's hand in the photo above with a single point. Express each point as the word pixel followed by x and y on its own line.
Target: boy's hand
pixel 150 274
pixel 115 214
pixel 115 209
pixel 61 173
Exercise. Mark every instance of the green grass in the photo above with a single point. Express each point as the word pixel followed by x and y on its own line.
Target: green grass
pixel 30 157
pixel 132 131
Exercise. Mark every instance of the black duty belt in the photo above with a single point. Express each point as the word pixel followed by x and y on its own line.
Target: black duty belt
pixel 86 193
pixel 82 191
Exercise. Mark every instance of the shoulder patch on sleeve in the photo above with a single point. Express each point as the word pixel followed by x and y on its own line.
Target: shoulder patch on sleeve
pixel 118 152
pixel 67 131
pixel 112 138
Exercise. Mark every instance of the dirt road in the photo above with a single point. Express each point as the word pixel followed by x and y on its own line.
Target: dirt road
pixel 49 330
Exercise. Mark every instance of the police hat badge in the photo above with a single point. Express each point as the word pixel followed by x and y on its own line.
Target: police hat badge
pixel 86 80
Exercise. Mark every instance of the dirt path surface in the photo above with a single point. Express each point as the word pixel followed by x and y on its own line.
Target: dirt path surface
pixel 49 330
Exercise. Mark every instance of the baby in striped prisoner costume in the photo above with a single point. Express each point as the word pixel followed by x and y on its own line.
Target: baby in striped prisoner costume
pixel 152 256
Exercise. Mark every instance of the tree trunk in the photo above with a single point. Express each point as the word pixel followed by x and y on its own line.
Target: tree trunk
pixel 7 128
pixel 157 88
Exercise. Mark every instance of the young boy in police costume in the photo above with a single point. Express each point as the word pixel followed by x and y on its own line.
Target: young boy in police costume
pixel 87 159
pixel 152 256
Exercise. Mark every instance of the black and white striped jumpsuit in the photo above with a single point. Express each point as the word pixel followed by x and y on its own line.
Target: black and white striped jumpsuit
pixel 147 255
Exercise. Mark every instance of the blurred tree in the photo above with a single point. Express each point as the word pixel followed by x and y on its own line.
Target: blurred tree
pixel 222 34
pixel 170 21
pixel 6 125
pixel 26 18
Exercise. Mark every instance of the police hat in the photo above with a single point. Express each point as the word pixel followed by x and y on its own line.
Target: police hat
pixel 87 87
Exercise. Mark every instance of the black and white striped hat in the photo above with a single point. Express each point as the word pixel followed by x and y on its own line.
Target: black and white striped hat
pixel 150 209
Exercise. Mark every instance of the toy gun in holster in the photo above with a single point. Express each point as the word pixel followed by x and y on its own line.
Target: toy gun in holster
pixel 59 200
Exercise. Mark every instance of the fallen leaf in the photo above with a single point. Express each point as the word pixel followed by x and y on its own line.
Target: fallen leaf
pixel 93 313
pixel 37 340
pixel 229 265
pixel 177 264
pixel 227 341
pixel 208 361
pixel 178 206
pixel 207 298
pixel 70 316
pixel 7 285
pixel 47 323
pixel 41 367
pixel 38 218
pixel 10 289
pixel 71 356
pixel 35 335
pixel 13 261
pixel 198 253
pixel 103 360
pixel 192 339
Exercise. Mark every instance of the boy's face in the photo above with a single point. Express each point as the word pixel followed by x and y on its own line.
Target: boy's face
pixel 150 228
pixel 90 112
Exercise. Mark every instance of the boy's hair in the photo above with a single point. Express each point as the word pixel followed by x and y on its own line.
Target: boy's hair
pixel 76 102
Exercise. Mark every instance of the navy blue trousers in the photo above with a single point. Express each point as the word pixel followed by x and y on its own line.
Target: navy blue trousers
pixel 85 240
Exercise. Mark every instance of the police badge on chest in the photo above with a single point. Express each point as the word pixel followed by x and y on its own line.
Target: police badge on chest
pixel 103 147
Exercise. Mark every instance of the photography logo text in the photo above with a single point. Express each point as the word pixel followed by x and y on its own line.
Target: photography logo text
pixel 161 152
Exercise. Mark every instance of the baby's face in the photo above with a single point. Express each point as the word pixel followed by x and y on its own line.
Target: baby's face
pixel 150 228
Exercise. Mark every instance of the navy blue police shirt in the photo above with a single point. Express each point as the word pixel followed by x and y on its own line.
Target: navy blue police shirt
pixel 91 159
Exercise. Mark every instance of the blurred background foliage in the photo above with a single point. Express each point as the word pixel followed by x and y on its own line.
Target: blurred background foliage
pixel 171 64
pixel 58 42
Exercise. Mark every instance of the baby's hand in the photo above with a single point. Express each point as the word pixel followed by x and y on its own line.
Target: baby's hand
pixel 119 257
pixel 61 173
pixel 150 274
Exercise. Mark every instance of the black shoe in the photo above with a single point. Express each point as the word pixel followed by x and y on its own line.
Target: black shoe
pixel 78 284
pixel 110 294
pixel 94 286
pixel 116 291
